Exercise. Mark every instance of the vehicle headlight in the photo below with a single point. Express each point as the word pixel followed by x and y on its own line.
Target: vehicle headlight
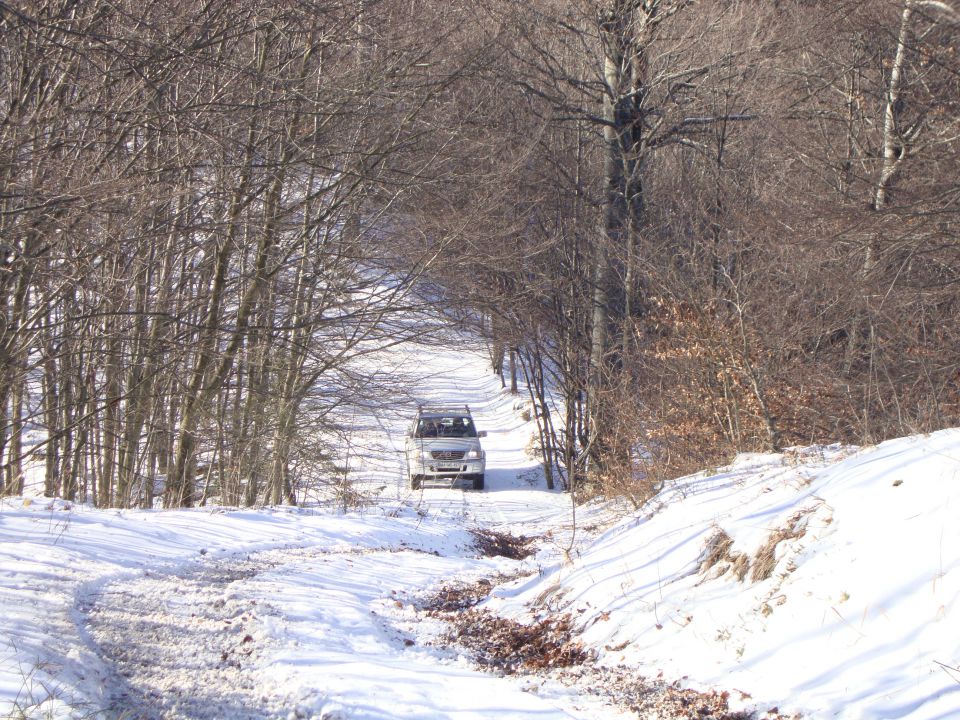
pixel 474 454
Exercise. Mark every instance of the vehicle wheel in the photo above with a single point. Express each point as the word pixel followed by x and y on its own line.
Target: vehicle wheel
pixel 415 482
pixel 478 482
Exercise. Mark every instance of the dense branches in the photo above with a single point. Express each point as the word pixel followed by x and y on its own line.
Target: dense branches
pixel 696 228
pixel 733 227
pixel 192 256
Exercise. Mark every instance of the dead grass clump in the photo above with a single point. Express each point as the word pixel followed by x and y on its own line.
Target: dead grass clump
pixel 534 448
pixel 719 553
pixel 765 559
pixel 739 565
pixel 717 549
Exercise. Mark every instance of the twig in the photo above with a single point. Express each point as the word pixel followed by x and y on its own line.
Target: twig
pixel 953 672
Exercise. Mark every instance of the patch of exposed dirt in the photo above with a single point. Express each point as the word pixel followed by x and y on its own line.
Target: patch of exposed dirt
pixel 656 698
pixel 459 596
pixel 500 544
pixel 500 644
pixel 511 647
pixel 549 648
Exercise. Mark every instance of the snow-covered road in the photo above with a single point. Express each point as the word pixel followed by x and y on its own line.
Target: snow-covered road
pixel 296 633
pixel 218 613
pixel 367 613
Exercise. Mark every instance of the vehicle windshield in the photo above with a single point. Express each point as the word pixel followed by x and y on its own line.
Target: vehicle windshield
pixel 452 426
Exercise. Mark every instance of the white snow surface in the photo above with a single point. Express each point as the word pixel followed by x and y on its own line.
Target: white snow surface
pixel 859 617
pixel 313 612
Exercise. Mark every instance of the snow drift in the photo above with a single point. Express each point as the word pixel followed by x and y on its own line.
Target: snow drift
pixel 823 581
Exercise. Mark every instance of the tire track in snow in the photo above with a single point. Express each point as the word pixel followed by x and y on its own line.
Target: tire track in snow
pixel 184 645
pixel 195 644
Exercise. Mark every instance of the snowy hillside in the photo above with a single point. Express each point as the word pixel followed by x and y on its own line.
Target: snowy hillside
pixel 822 581
pixel 818 583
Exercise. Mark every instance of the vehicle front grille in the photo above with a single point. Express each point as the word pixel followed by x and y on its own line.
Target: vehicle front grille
pixel 447 454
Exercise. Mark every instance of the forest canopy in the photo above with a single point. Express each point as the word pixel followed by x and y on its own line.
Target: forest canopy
pixel 695 227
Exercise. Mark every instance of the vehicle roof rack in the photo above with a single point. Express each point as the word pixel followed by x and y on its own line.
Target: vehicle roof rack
pixel 438 409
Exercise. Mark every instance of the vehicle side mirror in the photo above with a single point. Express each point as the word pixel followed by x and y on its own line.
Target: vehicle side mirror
pixel 482 434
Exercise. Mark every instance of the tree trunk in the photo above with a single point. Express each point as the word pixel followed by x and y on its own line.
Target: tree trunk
pixel 894 152
pixel 621 214
pixel 16 383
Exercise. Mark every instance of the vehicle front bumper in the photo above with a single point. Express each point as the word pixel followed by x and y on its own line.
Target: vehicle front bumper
pixel 447 470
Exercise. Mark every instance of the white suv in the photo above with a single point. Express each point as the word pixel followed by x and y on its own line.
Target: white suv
pixel 443 445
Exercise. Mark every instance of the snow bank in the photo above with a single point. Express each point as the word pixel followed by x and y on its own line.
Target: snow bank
pixel 847 606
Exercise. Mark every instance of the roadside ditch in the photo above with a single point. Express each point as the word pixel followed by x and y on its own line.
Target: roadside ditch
pixel 550 648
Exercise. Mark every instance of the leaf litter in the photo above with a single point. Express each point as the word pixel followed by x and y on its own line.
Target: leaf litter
pixel 549 648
